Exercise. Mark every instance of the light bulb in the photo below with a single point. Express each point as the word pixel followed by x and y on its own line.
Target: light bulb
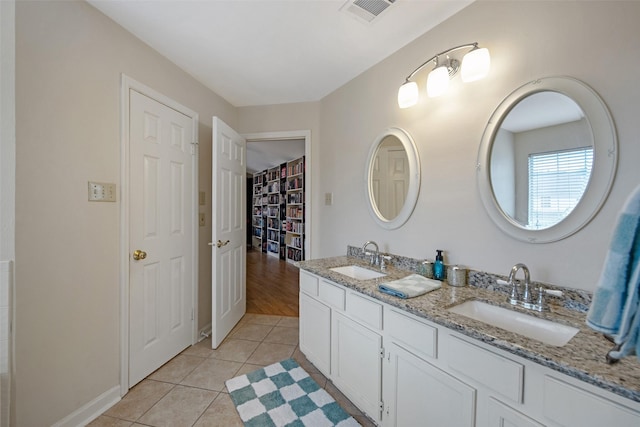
pixel 475 65
pixel 408 95
pixel 437 82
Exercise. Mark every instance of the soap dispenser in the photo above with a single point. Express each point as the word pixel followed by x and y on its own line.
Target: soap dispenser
pixel 438 266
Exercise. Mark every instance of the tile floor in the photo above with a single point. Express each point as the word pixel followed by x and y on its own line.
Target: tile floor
pixel 189 390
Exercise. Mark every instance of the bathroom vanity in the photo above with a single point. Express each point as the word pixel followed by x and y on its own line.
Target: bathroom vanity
pixel 415 363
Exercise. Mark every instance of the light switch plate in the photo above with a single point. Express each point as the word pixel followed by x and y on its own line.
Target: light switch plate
pixel 328 199
pixel 102 192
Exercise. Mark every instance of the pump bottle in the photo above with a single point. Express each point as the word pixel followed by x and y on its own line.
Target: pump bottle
pixel 438 266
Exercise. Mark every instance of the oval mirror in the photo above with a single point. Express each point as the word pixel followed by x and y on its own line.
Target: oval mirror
pixel 547 159
pixel 392 178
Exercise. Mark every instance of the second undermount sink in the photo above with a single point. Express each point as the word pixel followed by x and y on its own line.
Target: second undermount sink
pixel 543 330
pixel 357 272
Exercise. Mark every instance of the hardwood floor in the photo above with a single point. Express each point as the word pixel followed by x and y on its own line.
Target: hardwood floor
pixel 272 285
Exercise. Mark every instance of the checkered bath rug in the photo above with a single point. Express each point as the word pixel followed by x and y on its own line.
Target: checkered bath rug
pixel 284 395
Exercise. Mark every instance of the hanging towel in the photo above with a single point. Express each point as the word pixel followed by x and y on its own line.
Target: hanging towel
pixel 615 309
pixel 410 286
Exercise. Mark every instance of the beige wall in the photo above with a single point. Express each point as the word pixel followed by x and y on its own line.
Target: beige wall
pixel 527 40
pixel 69 58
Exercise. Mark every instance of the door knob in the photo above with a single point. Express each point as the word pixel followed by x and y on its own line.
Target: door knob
pixel 221 243
pixel 138 255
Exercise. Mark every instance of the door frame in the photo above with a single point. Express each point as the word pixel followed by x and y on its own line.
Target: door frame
pixel 127 84
pixel 295 134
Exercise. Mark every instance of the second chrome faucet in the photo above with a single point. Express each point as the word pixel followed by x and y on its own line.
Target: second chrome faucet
pixel 525 298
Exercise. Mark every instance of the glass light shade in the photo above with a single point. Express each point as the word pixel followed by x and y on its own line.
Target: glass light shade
pixel 437 82
pixel 475 65
pixel 408 95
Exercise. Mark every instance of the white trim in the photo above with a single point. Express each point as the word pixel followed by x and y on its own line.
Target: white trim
pixel 605 159
pixel 127 84
pixel 414 179
pixel 91 410
pixel 205 332
pixel 295 134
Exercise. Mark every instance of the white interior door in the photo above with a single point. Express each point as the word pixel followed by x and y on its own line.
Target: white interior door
pixel 229 252
pixel 161 267
pixel 398 180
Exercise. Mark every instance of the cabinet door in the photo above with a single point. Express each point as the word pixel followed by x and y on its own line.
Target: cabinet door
pixel 419 394
pixel 501 415
pixel 562 399
pixel 356 364
pixel 315 332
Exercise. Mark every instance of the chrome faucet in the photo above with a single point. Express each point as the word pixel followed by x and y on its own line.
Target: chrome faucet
pixel 525 299
pixel 375 257
pixel 515 297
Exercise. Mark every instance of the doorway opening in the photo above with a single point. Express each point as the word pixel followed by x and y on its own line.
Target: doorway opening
pixel 279 216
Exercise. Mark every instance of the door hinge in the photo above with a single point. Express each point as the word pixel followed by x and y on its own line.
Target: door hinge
pixel 381 352
pixel 194 146
pixel 192 315
pixel 381 408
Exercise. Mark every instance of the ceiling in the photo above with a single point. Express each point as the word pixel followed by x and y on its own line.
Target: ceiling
pixel 540 110
pixel 262 155
pixel 264 52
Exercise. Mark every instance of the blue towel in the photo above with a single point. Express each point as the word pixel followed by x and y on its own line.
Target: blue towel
pixel 410 286
pixel 615 309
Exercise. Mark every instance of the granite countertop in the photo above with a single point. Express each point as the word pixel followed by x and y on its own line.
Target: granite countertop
pixel 582 358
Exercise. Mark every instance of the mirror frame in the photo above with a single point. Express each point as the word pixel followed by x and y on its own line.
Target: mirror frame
pixel 605 159
pixel 414 179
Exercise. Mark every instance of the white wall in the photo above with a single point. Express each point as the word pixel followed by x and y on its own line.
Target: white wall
pixel 7 198
pixel 527 40
pixel 69 60
pixel 503 171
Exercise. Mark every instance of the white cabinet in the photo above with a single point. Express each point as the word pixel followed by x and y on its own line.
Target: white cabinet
pixel 315 332
pixel 501 415
pixel 419 394
pixel 405 371
pixel 570 406
pixel 356 363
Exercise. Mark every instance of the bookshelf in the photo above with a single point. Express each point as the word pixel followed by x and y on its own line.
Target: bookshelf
pixel 279 210
pixel 295 210
pixel 283 210
pixel 273 211
pixel 257 221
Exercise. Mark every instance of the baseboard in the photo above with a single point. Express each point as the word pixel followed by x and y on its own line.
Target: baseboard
pixel 91 410
pixel 204 332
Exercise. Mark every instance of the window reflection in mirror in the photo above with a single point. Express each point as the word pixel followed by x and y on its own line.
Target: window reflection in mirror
pixel 541 160
pixel 390 177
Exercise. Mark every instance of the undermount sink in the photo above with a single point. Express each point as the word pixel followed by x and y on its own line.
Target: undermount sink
pixel 357 272
pixel 543 330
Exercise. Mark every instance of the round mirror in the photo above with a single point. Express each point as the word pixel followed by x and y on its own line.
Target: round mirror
pixel 392 177
pixel 547 159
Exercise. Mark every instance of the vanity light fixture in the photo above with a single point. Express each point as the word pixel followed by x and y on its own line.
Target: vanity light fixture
pixel 475 66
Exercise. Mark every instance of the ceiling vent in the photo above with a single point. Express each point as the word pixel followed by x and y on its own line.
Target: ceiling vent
pixel 366 10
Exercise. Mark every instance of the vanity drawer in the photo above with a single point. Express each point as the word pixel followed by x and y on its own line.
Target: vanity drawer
pixel 365 310
pixel 410 333
pixel 332 294
pixel 498 373
pixel 308 283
